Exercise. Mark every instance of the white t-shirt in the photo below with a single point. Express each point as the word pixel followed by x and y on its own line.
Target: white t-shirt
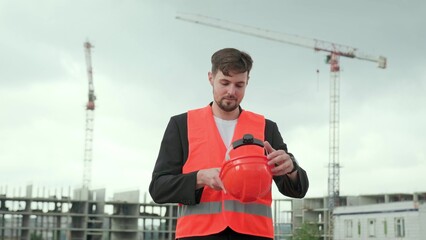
pixel 226 129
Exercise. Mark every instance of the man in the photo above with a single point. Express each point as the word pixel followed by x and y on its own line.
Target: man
pixel 193 150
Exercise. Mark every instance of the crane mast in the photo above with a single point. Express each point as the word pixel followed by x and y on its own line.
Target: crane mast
pixel 335 51
pixel 90 108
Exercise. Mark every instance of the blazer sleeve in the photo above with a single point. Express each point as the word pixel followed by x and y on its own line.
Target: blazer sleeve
pixel 168 184
pixel 285 185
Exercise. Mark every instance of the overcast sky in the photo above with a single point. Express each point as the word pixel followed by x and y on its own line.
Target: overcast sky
pixel 149 66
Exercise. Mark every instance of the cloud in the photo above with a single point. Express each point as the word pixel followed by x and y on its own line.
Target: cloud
pixel 149 66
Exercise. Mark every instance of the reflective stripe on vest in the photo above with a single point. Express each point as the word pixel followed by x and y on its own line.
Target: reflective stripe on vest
pixel 230 205
pixel 217 210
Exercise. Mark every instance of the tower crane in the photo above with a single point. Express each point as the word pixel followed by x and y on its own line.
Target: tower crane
pixel 90 108
pixel 334 52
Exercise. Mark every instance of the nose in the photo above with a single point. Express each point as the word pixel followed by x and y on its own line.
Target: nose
pixel 231 90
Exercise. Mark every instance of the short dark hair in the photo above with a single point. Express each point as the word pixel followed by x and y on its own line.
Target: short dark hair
pixel 231 60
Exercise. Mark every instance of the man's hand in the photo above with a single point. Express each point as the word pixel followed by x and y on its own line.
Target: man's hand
pixel 210 177
pixel 279 160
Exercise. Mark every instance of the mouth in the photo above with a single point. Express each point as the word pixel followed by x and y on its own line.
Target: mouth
pixel 229 99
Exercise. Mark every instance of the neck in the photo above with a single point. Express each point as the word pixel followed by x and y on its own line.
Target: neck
pixel 218 112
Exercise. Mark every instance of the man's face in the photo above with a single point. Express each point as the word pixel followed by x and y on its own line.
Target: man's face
pixel 228 91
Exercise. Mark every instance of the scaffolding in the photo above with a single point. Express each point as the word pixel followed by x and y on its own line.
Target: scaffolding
pixel 62 217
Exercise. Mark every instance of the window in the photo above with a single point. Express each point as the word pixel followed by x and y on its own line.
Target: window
pixel 371 227
pixel 399 227
pixel 348 228
pixel 359 228
pixel 385 227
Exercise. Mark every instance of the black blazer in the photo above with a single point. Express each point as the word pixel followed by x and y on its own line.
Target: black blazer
pixel 169 185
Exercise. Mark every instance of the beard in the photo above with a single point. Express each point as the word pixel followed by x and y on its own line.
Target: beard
pixel 228 104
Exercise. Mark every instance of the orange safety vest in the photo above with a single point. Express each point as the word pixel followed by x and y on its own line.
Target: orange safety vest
pixel 218 210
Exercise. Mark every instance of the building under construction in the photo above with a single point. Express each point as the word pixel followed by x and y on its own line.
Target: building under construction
pixel 81 215
pixel 84 215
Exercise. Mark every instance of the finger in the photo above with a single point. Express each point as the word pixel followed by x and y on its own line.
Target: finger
pixel 277 160
pixel 219 183
pixel 222 186
pixel 268 147
pixel 278 170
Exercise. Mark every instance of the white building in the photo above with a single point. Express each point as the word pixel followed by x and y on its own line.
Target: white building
pixel 394 220
pixel 374 216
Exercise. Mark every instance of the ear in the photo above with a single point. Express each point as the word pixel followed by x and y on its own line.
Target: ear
pixel 210 76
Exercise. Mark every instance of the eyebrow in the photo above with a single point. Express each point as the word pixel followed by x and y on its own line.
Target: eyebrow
pixel 224 79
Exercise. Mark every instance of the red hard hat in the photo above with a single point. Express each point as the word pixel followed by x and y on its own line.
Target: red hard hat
pixel 247 178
